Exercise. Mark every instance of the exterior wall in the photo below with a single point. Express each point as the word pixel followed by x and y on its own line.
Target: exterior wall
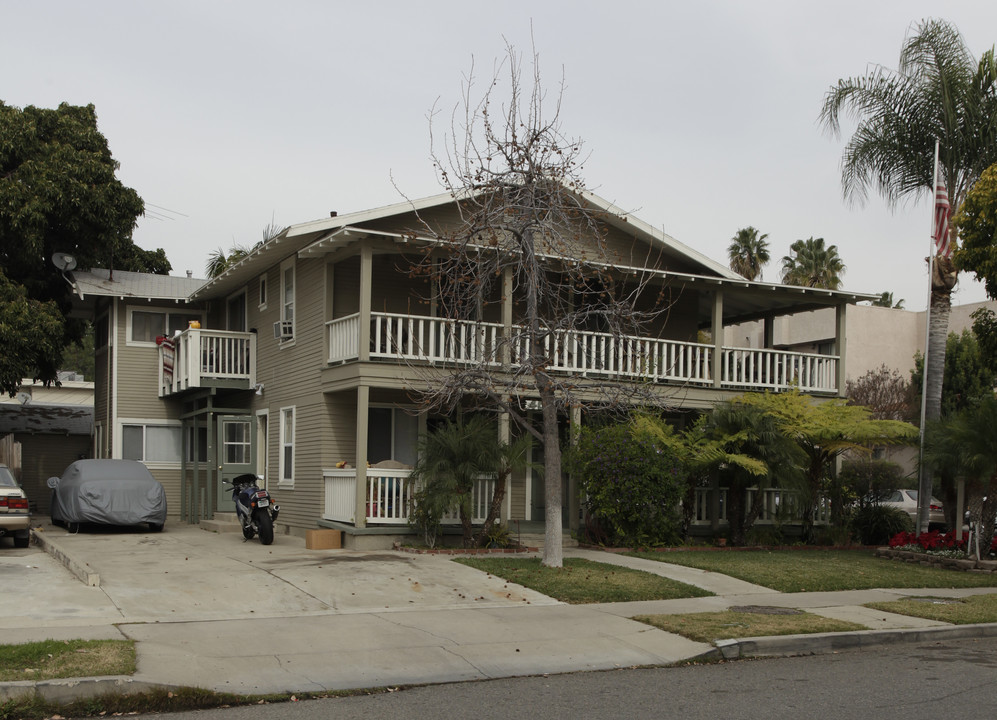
pixel 45 456
pixel 873 335
pixel 289 372
pixel 103 392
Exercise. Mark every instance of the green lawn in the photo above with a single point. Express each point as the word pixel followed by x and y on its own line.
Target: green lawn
pixel 711 626
pixel 581 581
pixel 51 659
pixel 963 611
pixel 820 570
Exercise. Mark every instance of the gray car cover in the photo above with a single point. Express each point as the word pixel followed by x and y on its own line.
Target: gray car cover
pixel 112 492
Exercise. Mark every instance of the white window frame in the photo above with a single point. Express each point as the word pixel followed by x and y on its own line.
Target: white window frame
pixel 287 308
pixel 286 444
pixel 262 295
pixel 263 445
pixel 98 439
pixel 144 424
pixel 153 311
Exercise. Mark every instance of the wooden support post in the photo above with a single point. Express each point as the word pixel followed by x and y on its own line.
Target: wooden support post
pixel 363 407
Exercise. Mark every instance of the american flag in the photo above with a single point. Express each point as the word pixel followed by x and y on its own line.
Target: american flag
pixel 943 248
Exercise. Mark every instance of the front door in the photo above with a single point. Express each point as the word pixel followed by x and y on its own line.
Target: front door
pixel 236 455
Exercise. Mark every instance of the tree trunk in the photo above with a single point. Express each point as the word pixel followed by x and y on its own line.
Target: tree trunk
pixel 942 281
pixel 465 524
pixel 494 509
pixel 735 513
pixel 553 552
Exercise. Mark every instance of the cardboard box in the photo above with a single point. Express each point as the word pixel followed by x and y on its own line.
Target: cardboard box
pixel 323 539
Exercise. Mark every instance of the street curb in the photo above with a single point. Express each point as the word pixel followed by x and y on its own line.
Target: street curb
pixel 823 643
pixel 79 569
pixel 67 690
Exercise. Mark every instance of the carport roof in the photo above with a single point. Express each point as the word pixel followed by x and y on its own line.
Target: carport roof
pixel 46 419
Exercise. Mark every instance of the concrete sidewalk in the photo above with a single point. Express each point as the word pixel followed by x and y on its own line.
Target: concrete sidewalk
pixel 211 611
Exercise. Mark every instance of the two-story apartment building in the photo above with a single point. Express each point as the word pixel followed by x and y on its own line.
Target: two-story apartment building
pixel 301 361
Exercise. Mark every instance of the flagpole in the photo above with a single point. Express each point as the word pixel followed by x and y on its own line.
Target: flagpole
pixel 924 484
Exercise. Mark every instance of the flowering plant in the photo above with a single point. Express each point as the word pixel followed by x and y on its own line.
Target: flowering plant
pixel 933 541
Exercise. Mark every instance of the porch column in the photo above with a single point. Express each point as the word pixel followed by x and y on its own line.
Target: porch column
pixel 839 341
pixel 507 315
pixel 366 286
pixel 574 500
pixel 363 406
pixel 504 436
pixel 717 331
pixel 714 495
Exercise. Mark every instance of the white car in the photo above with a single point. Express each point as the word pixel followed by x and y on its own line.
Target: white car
pixel 906 500
pixel 15 519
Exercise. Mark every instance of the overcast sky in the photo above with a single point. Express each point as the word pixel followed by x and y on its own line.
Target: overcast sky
pixel 699 117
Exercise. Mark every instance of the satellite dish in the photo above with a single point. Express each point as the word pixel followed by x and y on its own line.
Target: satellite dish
pixel 23 398
pixel 64 261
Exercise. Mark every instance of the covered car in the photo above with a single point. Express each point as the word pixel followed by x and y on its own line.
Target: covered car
pixel 109 492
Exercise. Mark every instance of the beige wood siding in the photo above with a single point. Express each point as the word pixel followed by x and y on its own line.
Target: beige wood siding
pixel 45 456
pixel 169 478
pixel 290 376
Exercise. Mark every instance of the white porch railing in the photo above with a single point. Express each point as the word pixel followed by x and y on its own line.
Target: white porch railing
pixel 389 496
pixel 419 338
pixel 777 505
pixel 194 356
pixel 779 370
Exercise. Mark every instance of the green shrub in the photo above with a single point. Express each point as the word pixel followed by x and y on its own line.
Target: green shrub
pixel 861 479
pixel 876 524
pixel 632 484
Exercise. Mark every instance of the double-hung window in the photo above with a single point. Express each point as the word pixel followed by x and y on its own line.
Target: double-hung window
pixel 151 443
pixel 287 447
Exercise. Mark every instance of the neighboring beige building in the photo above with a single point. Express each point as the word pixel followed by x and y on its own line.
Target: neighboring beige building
pixel 874 336
pixel 299 362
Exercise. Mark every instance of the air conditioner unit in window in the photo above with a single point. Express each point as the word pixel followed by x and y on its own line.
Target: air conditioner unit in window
pixel 283 330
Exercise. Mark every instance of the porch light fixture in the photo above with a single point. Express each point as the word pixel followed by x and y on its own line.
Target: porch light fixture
pixel 258 388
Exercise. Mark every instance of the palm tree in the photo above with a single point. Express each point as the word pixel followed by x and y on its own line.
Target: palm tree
pixel 939 92
pixel 966 443
pixel 748 252
pixel 811 264
pixel 219 262
pixel 749 449
pixel 886 300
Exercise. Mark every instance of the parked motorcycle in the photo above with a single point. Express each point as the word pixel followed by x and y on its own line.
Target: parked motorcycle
pixel 254 507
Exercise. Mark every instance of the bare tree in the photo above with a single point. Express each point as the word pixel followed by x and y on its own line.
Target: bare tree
pixel 885 391
pixel 526 237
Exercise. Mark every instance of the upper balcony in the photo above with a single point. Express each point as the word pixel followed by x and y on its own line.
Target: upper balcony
pixel 197 358
pixel 435 341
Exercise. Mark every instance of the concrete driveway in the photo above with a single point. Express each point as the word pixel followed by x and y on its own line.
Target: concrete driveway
pixel 185 573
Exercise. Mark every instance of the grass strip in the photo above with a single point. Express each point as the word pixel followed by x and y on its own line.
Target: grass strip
pixel 51 659
pixel 958 611
pixel 583 581
pixel 712 626
pixel 792 571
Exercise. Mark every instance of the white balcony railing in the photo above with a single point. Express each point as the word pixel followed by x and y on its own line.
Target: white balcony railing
pixel 418 338
pixel 778 505
pixel 389 497
pixel 195 357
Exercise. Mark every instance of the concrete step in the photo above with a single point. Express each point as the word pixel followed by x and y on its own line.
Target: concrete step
pixel 222 523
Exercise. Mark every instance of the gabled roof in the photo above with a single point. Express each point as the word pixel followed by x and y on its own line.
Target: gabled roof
pixel 123 284
pixel 298 237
